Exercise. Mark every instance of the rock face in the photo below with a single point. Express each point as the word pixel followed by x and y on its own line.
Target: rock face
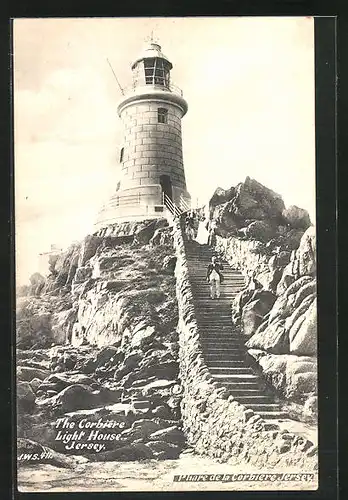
pixel 99 343
pixel 275 247
pixel 253 212
pixel 214 423
pixel 103 340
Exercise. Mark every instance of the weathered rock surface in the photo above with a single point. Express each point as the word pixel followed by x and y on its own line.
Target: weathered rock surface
pixel 295 377
pixel 296 217
pixel 275 248
pixel 109 309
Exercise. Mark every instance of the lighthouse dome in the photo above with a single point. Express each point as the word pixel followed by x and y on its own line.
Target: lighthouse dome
pixel 151 50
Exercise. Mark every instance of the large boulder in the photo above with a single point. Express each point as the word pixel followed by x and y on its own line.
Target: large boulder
pixel 62 325
pixel 170 435
pixel 33 323
pixel 169 263
pixel 25 397
pixel 44 454
pixel 260 230
pixel 306 253
pixel 76 397
pixel 142 336
pixel 37 282
pixel 221 196
pixel 128 453
pixel 271 337
pixel 162 236
pixel 88 249
pixel 66 265
pixel 288 314
pixel 296 217
pixel 82 274
pixel 255 201
pixel 255 310
pixel 292 238
pixel 303 336
pixel 60 381
pixel 25 373
pixel 227 223
pixel 144 234
pixel 163 450
pixel 105 355
pixel 294 377
pixel 279 260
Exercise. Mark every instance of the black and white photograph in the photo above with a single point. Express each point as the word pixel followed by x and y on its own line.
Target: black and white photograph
pixel 166 259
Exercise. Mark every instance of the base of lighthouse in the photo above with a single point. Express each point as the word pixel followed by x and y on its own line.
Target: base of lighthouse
pixel 147 202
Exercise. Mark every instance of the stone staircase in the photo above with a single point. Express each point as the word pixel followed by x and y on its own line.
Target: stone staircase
pixel 223 346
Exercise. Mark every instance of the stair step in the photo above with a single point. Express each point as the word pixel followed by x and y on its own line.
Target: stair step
pixel 206 300
pixel 221 357
pixel 224 339
pixel 223 325
pixel 223 350
pixel 241 388
pixel 231 364
pixel 264 407
pixel 211 332
pixel 232 343
pixel 221 335
pixel 243 391
pixel 217 370
pixel 227 330
pixel 230 347
pixel 212 311
pixel 203 277
pixel 271 426
pixel 234 363
pixel 246 377
pixel 253 399
pixel 221 340
pixel 271 415
pixel 206 318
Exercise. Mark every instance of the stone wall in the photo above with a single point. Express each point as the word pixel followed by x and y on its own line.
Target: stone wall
pixel 151 148
pixel 215 424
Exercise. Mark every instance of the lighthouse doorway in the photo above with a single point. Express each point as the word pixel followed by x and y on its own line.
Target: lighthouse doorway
pixel 166 185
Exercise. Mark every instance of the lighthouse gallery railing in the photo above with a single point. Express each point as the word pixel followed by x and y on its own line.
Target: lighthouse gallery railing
pixel 153 86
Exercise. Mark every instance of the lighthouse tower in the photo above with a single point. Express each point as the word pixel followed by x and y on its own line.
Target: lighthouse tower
pixel 151 162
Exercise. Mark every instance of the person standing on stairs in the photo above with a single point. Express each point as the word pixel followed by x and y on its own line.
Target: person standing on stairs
pixel 190 226
pixel 215 277
pixel 211 228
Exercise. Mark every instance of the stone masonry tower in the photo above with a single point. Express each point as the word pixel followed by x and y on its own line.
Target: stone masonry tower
pixel 151 160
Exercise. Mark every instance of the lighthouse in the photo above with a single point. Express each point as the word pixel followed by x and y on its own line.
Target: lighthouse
pixel 152 177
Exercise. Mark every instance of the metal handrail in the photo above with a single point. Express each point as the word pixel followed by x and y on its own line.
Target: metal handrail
pixel 153 86
pixel 183 204
pixel 173 208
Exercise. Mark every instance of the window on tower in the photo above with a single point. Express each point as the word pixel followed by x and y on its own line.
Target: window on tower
pixel 121 155
pixel 162 115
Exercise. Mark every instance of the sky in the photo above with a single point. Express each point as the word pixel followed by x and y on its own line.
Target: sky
pixel 249 84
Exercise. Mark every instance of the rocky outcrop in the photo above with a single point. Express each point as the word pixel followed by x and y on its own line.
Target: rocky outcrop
pixel 252 211
pixel 214 423
pixel 110 311
pixel 275 248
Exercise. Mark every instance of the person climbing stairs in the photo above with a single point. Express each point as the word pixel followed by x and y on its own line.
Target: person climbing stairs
pixel 223 346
